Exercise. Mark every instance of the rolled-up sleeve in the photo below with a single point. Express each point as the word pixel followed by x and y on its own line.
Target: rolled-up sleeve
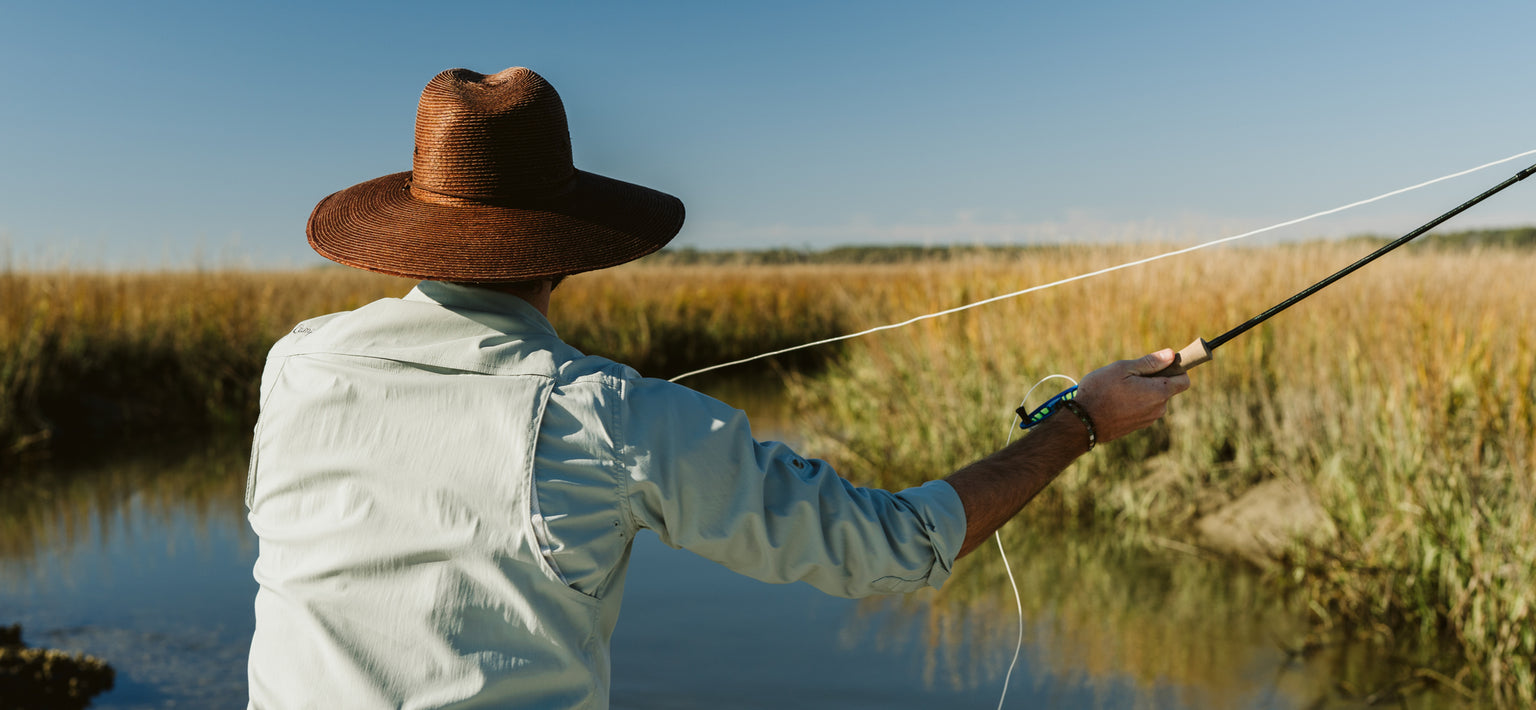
pixel 696 477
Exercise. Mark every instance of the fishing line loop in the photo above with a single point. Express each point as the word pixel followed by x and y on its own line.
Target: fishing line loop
pixel 1018 599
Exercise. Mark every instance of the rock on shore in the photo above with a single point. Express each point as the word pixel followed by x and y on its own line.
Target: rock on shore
pixel 1260 524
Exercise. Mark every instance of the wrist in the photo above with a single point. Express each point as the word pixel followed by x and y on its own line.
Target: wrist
pixel 1077 411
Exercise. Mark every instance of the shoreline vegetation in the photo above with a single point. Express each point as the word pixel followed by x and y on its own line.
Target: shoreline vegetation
pixel 45 678
pixel 1373 449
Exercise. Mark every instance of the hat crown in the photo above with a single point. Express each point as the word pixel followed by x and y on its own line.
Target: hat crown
pixel 490 138
pixel 493 195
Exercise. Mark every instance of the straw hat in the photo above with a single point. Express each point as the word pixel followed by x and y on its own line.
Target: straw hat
pixel 492 194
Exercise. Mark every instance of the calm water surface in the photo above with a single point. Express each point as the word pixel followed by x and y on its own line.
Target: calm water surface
pixel 146 563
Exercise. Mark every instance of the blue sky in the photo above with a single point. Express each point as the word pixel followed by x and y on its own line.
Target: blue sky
pixel 162 134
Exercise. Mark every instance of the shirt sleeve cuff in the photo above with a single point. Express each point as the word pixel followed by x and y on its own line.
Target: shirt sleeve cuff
pixel 944 515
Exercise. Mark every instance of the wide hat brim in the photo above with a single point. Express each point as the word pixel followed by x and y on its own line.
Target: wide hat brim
pixel 594 223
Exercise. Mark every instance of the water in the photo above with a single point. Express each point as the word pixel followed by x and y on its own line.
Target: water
pixel 146 563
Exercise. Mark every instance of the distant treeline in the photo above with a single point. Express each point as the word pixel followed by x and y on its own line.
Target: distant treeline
pixel 870 254
pixel 1504 238
pixel 1512 237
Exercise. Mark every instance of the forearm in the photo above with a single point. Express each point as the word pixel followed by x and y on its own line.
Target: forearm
pixel 996 488
pixel 1121 397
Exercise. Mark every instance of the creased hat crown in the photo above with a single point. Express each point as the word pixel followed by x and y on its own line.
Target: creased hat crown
pixel 492 194
pixel 491 138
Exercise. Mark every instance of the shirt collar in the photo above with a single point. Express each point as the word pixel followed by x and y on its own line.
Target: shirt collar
pixel 469 298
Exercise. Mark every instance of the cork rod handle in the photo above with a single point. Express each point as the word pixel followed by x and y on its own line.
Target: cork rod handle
pixel 1192 356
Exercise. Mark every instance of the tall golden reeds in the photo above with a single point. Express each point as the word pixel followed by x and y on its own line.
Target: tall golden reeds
pixel 90 357
pixel 100 356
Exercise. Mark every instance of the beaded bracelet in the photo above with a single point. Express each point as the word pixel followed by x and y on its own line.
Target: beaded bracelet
pixel 1075 408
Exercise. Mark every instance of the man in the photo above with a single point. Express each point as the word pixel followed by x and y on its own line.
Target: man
pixel 446 493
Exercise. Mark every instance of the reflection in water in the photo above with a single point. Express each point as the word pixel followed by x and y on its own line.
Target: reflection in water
pixel 143 562
pixel 1186 631
pixel 50 509
pixel 146 562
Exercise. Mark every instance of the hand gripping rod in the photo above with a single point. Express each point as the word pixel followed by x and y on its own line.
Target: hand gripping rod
pixel 1199 352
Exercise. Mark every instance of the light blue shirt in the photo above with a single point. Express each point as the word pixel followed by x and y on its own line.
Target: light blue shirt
pixel 446 495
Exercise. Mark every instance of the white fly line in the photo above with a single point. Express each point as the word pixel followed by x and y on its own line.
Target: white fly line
pixel 1100 272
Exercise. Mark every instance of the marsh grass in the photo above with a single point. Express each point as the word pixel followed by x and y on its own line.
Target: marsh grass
pixel 1403 398
pixel 92 357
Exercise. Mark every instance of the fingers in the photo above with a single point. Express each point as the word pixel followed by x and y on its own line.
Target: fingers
pixel 1148 366
pixel 1152 363
pixel 1126 397
pixel 1177 383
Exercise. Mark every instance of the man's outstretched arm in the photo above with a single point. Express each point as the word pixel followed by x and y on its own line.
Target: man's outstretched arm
pixel 1120 398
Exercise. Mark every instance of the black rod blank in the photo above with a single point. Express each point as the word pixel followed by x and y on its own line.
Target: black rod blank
pixel 1314 288
pixel 1199 351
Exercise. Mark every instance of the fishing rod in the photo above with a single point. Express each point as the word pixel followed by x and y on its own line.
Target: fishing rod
pixel 1199 352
